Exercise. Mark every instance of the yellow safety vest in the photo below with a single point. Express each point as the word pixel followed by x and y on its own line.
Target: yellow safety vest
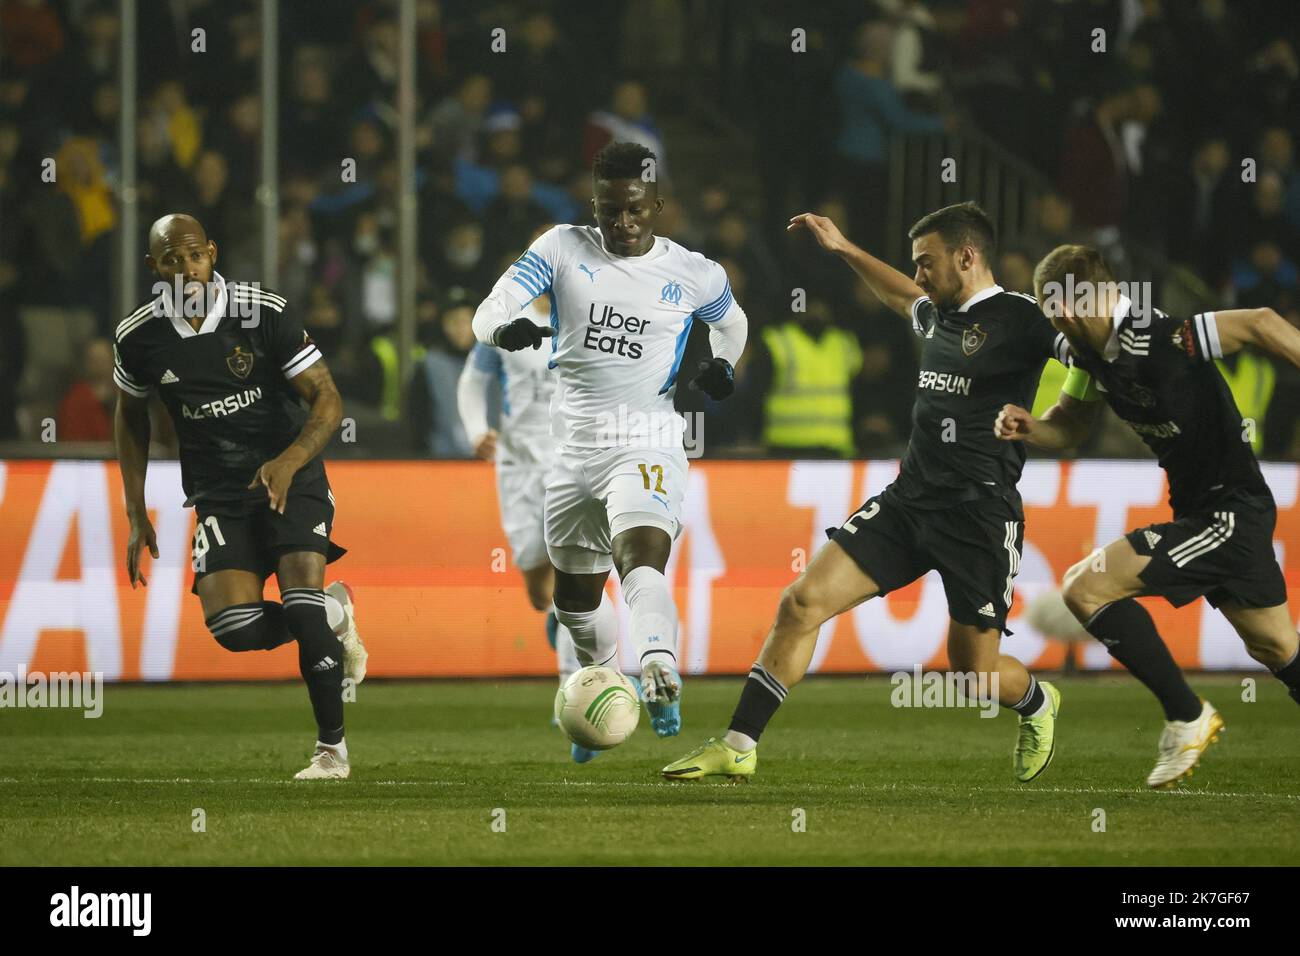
pixel 1252 388
pixel 809 403
pixel 386 351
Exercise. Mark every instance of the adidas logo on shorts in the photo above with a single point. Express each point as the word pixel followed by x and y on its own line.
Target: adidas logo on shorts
pixel 320 530
pixel 325 664
pixel 1152 539
pixel 987 610
pixel 168 378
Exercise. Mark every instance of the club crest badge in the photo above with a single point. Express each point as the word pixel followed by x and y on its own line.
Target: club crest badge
pixel 240 362
pixel 972 339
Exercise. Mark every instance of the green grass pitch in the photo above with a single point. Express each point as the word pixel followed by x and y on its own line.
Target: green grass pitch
pixel 433 761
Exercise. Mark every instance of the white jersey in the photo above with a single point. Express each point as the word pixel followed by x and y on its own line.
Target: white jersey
pixel 621 327
pixel 527 389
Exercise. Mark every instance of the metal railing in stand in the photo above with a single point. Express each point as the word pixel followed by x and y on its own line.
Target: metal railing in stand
pixel 981 169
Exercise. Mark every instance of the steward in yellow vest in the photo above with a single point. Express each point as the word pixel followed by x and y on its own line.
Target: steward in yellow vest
pixel 809 406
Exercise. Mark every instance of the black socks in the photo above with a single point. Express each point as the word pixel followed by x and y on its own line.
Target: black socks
pixel 1130 636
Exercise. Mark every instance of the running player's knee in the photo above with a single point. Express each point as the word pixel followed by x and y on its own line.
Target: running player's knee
pixel 800 607
pixel 1271 650
pixel 1080 594
pixel 304 611
pixel 539 595
pixel 242 627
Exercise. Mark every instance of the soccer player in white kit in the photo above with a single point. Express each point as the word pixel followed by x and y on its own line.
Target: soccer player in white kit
pixel 523 450
pixel 623 301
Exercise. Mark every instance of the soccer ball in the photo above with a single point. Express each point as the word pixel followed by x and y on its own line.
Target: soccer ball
pixel 598 708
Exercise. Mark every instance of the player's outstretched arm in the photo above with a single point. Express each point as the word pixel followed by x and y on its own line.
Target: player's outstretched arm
pixel 493 324
pixel 317 388
pixel 1065 425
pixel 480 374
pixel 131 434
pixel 1263 328
pixel 890 286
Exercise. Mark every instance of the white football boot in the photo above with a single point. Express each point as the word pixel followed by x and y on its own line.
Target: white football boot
pixel 1181 746
pixel 326 764
pixel 354 652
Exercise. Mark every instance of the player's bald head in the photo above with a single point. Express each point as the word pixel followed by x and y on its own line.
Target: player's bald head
pixel 179 246
pixel 175 229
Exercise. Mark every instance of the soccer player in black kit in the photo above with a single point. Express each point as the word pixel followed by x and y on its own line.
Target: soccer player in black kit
pixel 1158 374
pixel 954 506
pixel 231 361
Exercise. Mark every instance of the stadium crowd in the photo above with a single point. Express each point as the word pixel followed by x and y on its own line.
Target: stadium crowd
pixel 1145 145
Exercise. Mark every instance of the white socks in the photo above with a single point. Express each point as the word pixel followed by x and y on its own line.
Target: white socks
pixel 340 748
pixel 595 633
pixel 566 655
pixel 334 614
pixel 653 616
pixel 738 741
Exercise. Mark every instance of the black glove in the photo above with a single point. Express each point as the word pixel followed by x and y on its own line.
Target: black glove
pixel 522 333
pixel 717 379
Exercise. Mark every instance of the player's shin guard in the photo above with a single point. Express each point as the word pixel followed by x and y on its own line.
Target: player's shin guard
pixel 653 619
pixel 759 700
pixel 1130 636
pixel 595 633
pixel 320 659
pixel 250 627
pixel 1290 675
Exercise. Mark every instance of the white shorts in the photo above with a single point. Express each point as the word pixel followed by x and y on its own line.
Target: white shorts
pixel 520 497
pixel 592 496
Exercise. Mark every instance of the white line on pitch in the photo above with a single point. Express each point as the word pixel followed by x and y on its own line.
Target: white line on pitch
pixel 950 791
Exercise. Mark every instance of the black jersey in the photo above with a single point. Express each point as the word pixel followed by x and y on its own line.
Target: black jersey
pixel 226 386
pixel 1158 374
pixel 973 361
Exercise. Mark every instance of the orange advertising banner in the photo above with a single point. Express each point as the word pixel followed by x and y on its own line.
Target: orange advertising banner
pixel 438 596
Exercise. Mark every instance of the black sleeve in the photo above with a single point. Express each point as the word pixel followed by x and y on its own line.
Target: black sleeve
pixel 924 313
pixel 1041 339
pixel 126 371
pixel 286 340
pixel 1196 339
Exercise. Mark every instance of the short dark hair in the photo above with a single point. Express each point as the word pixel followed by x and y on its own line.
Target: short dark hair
pixel 1083 264
pixel 621 160
pixel 961 224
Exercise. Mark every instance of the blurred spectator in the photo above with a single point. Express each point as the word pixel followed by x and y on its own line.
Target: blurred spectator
pixel 1102 153
pixel 1277 155
pixel 513 215
pixel 806 369
pixel 1015 269
pixel 32 33
pixel 13 360
pixel 456 122
pixel 81 179
pixel 1198 210
pixel 911 21
pixel 627 120
pixel 310 124
pixel 1051 224
pixel 432 401
pixel 1263 219
pixel 870 109
pixel 86 411
pixel 463 260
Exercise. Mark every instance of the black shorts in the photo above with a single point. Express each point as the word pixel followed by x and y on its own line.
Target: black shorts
pixel 249 536
pixel 975 546
pixel 1224 555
